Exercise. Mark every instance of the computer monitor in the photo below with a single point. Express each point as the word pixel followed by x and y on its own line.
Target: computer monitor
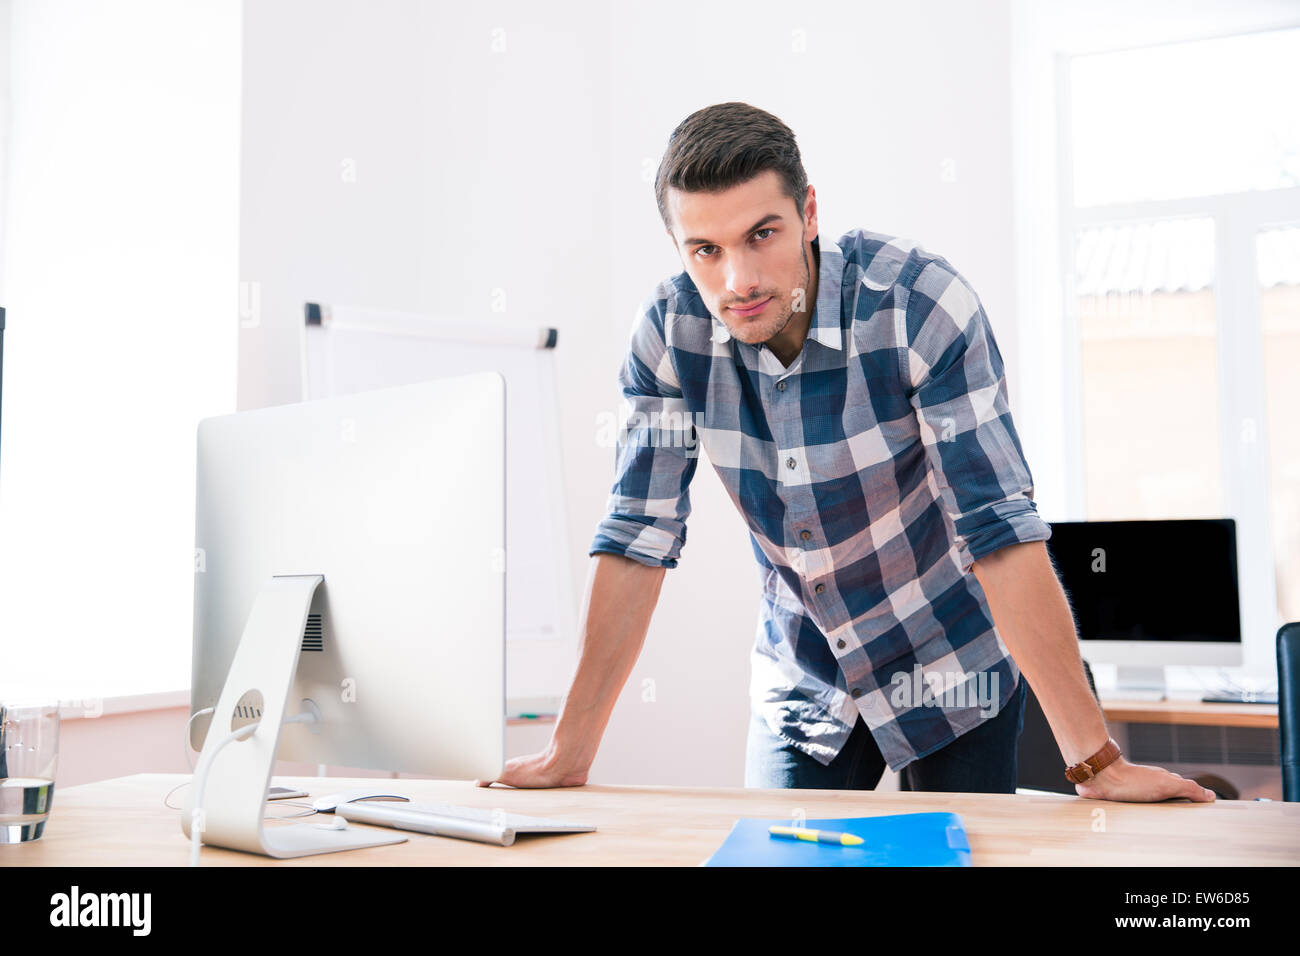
pixel 350 561
pixel 1150 593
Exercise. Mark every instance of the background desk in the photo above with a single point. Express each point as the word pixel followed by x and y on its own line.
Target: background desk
pixel 123 822
pixel 1190 711
pixel 1238 743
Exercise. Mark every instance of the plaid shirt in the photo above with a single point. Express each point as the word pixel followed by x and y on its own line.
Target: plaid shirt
pixel 871 473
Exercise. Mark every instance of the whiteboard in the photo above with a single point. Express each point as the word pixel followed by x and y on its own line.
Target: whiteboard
pixel 348 349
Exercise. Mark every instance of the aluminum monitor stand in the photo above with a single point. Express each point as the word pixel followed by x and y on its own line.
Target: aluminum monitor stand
pixel 1136 682
pixel 238 777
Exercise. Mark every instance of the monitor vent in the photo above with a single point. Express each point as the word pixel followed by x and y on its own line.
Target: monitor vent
pixel 248 710
pixel 313 639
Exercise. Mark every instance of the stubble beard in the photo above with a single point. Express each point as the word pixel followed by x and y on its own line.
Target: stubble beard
pixel 780 325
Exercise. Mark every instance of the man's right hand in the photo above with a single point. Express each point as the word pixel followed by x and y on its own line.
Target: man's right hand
pixel 537 771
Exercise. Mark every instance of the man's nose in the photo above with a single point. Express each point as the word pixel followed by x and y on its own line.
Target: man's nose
pixel 742 278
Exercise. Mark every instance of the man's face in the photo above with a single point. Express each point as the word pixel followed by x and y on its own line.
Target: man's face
pixel 744 247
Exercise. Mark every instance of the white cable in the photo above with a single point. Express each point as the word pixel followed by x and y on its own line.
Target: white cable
pixel 186 742
pixel 306 717
pixel 205 763
pixel 185 746
pixel 307 809
pixel 201 779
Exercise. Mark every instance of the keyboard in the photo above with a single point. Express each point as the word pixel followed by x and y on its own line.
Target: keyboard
pixel 516 820
pixel 445 819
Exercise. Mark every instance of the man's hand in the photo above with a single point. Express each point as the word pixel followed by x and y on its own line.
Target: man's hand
pixel 537 770
pixel 1137 783
pixel 621 596
pixel 1032 615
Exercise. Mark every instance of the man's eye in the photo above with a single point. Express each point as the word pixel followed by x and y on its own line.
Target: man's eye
pixel 756 236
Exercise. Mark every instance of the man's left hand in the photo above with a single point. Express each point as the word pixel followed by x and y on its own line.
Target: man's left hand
pixel 1137 783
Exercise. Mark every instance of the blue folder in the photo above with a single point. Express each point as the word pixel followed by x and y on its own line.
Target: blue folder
pixel 904 839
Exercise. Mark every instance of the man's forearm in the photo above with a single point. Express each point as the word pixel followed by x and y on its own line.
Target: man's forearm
pixel 1031 613
pixel 620 599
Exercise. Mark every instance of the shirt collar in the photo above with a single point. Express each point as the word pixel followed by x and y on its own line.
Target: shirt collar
pixel 825 328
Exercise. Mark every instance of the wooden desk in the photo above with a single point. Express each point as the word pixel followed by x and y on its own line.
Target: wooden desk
pixel 1190 711
pixel 123 822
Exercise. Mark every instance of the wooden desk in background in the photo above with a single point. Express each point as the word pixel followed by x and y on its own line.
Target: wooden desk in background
pixel 123 822
pixel 1190 711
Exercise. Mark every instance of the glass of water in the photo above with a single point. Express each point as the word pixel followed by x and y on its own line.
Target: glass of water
pixel 29 750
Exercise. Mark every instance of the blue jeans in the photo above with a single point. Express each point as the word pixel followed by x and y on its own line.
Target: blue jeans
pixel 982 760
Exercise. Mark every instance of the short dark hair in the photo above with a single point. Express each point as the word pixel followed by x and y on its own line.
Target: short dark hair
pixel 725 145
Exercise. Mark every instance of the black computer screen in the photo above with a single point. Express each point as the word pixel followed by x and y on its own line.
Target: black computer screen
pixel 1150 580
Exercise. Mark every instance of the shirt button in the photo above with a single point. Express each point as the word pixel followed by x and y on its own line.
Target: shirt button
pixel 780 386
pixel 789 462
pixel 820 588
pixel 857 692
pixel 840 643
pixel 805 534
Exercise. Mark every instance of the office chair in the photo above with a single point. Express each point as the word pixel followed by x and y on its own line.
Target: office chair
pixel 1288 708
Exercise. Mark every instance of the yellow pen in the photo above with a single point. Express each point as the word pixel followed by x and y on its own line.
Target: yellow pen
pixel 815 836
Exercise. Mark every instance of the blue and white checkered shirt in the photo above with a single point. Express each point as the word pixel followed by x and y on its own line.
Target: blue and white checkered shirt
pixel 871 473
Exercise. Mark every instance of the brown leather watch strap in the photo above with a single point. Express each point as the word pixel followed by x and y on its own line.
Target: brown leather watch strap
pixel 1085 771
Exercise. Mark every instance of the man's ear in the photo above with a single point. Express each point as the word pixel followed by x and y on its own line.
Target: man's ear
pixel 811 218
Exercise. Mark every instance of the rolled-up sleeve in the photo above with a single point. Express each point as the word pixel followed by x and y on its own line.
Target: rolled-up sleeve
pixel 954 375
pixel 656 451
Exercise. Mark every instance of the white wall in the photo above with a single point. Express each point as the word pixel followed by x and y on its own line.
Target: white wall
pixel 528 169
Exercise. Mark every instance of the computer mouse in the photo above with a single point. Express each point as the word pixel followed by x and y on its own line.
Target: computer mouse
pixel 327 804
pixel 1222 788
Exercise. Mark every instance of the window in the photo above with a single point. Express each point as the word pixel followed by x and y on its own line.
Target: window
pixel 1149 358
pixel 1278 266
pixel 1181 242
pixel 121 153
pixel 1187 119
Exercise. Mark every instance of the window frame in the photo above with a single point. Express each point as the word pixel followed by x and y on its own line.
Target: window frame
pixel 1238 218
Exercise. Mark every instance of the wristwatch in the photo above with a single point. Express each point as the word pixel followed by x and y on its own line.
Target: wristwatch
pixel 1085 771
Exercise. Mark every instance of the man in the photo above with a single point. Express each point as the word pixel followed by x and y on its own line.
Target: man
pixel 850 396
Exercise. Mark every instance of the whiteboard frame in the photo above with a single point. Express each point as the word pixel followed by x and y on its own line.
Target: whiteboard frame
pixel 555 658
